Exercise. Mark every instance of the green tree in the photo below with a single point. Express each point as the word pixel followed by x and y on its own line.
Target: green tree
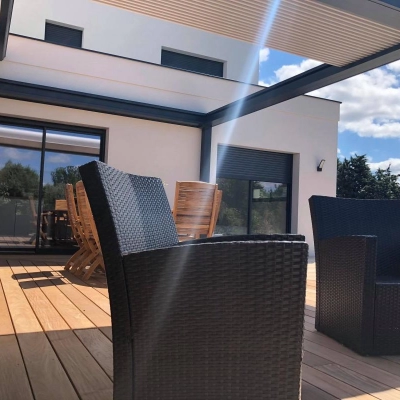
pixel 63 175
pixel 356 180
pixel 17 180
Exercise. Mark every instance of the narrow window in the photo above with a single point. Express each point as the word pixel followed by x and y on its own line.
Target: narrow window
pixel 62 35
pixel 192 63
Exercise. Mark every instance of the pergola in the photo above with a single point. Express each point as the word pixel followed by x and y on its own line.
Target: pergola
pixel 349 36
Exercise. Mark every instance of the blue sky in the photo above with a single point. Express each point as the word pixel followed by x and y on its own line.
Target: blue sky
pixel 370 110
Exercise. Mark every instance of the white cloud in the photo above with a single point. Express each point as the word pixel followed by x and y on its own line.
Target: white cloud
pixel 16 155
pixel 59 158
pixel 393 162
pixel 287 71
pixel 394 66
pixel 264 54
pixel 353 153
pixel 370 102
pixel 263 83
pixel 339 154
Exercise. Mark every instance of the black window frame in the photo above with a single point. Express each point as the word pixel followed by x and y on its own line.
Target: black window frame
pixel 45 126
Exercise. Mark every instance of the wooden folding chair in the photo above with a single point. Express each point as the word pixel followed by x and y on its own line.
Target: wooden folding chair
pixel 194 209
pixel 217 206
pixel 83 255
pixel 61 204
pixel 90 232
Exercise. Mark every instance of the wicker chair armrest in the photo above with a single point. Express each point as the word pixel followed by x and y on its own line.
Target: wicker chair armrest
pixel 239 304
pixel 244 238
pixel 346 273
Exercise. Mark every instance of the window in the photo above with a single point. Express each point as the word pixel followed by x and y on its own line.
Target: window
pixel 192 63
pixel 36 161
pixel 256 191
pixel 62 35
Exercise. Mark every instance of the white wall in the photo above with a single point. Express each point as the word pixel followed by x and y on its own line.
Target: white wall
pixel 305 127
pixel 117 31
pixel 141 147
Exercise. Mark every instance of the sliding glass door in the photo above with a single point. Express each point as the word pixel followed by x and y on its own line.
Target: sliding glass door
pixel 253 207
pixel 36 162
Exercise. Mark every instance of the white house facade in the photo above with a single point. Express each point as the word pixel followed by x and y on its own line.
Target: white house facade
pixel 266 161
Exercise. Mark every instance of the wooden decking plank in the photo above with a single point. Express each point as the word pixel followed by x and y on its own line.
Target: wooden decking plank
pixel 359 381
pixel 332 386
pixel 72 315
pixel 378 362
pixel 86 375
pixel 6 326
pixel 92 294
pixel 311 392
pixel 14 383
pixel 313 360
pixel 96 282
pixel 361 367
pixel 46 374
pixel 99 346
pixel 95 314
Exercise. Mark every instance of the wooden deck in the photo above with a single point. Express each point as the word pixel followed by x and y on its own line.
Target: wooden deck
pixel 55 341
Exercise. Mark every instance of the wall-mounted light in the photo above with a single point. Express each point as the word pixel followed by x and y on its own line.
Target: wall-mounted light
pixel 321 165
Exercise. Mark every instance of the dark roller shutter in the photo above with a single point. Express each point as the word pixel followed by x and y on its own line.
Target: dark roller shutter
pixel 63 35
pixel 265 166
pixel 191 63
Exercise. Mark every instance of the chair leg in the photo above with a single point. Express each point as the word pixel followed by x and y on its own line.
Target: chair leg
pixel 98 262
pixel 74 258
pixel 82 262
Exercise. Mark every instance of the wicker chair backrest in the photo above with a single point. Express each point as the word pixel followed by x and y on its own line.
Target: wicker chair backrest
pixel 332 216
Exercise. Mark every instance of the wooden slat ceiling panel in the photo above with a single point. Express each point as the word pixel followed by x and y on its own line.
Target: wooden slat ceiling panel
pixel 303 27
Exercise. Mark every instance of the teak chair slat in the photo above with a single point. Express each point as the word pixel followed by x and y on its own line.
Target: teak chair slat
pixel 194 209
pixel 84 251
pixel 89 230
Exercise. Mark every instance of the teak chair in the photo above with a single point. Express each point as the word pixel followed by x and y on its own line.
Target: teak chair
pixel 215 318
pixel 194 209
pixel 83 254
pixel 90 232
pixel 61 204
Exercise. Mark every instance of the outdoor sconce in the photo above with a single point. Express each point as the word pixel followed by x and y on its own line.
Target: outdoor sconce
pixel 321 165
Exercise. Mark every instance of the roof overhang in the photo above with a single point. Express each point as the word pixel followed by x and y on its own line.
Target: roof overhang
pixel 335 32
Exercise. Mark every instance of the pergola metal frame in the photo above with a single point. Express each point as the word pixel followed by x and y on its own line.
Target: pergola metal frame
pixel 301 84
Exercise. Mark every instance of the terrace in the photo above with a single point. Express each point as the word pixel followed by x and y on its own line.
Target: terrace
pixel 55 338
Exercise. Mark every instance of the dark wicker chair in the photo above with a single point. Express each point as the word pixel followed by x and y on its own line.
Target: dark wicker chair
pixel 212 319
pixel 357 249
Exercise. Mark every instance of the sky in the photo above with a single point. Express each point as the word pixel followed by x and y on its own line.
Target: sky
pixel 370 110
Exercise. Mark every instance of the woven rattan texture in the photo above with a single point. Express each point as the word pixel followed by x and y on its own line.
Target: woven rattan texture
pixel 218 320
pixel 387 318
pixel 131 214
pixel 358 299
pixel 346 286
pixel 334 217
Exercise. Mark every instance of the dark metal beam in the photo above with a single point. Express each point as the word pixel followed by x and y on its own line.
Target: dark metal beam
pixel 103 104
pixel 205 154
pixel 6 8
pixel 306 82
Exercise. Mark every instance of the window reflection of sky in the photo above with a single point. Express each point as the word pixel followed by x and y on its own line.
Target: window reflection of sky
pixel 31 158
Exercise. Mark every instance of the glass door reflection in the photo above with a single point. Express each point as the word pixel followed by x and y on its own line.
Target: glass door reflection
pixel 20 155
pixel 64 153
